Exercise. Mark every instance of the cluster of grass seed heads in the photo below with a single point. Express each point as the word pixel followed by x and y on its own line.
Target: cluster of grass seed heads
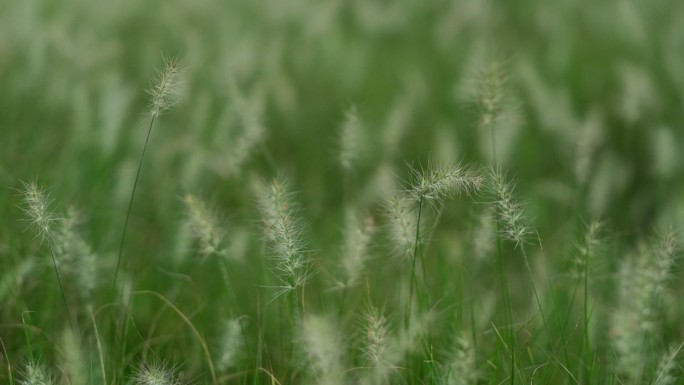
pixel 283 234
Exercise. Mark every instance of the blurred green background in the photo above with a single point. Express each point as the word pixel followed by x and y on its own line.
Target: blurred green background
pixel 592 127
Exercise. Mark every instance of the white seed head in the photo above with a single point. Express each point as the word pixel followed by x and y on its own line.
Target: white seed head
pixel 352 140
pixel 36 205
pixel 355 248
pixel 158 373
pixel 462 370
pixel 668 367
pixel 165 89
pixel 73 359
pixel 322 346
pixel 231 345
pixel 401 224
pixel 441 180
pixel 509 210
pixel 204 226
pixel 34 373
pixel 283 234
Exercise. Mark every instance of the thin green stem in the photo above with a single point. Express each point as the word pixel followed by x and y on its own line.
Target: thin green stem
pixel 130 202
pixel 493 143
pixel 59 281
pixel 414 278
pixel 507 303
pixel 585 340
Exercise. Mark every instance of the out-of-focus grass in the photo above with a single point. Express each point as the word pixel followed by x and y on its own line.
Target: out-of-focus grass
pixel 590 130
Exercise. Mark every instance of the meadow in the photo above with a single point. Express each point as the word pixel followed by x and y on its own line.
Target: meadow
pixel 332 192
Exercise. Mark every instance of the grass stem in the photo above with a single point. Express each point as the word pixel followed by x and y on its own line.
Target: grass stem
pixel 130 202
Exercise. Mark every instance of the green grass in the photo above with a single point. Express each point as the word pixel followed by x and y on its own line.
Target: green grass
pixel 341 192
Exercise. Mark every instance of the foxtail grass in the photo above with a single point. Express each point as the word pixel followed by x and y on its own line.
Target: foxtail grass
pixel 163 94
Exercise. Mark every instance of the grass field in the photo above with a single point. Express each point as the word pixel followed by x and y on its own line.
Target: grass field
pixel 341 192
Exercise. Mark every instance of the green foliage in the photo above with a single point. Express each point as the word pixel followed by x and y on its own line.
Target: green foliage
pixel 323 192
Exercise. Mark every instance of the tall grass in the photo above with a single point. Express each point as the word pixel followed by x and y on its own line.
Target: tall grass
pixel 300 218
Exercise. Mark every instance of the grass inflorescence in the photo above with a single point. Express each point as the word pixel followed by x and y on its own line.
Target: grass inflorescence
pixel 349 193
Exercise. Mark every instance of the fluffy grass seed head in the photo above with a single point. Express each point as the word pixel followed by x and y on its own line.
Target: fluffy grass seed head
pixel 283 235
pixel 250 131
pixel 323 348
pixel 157 373
pixel 442 180
pixel 462 370
pixel 73 359
pixel 509 210
pixel 36 204
pixel 636 321
pixel 357 238
pixel 165 88
pixel 204 226
pixel 34 373
pixel 351 141
pixel 667 367
pixel 231 345
pixel 486 85
pixel 75 254
pixel 376 343
pixel 401 224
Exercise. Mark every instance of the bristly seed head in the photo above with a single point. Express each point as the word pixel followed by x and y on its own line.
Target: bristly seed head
pixel 509 210
pixel 165 88
pixel 283 235
pixel 442 180
pixel 34 373
pixel 204 226
pixel 36 205
pixel 156 374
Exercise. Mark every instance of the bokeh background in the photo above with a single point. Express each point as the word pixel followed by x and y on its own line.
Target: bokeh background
pixel 591 129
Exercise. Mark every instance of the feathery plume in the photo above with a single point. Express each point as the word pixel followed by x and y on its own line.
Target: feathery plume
pixel 165 88
pixel 401 224
pixel 283 234
pixel 204 226
pixel 36 205
pixel 323 349
pixel 34 373
pixel 441 180
pixel 462 370
pixel 357 239
pixel 231 345
pixel 351 141
pixel 509 210
pixel 157 373
pixel 73 360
